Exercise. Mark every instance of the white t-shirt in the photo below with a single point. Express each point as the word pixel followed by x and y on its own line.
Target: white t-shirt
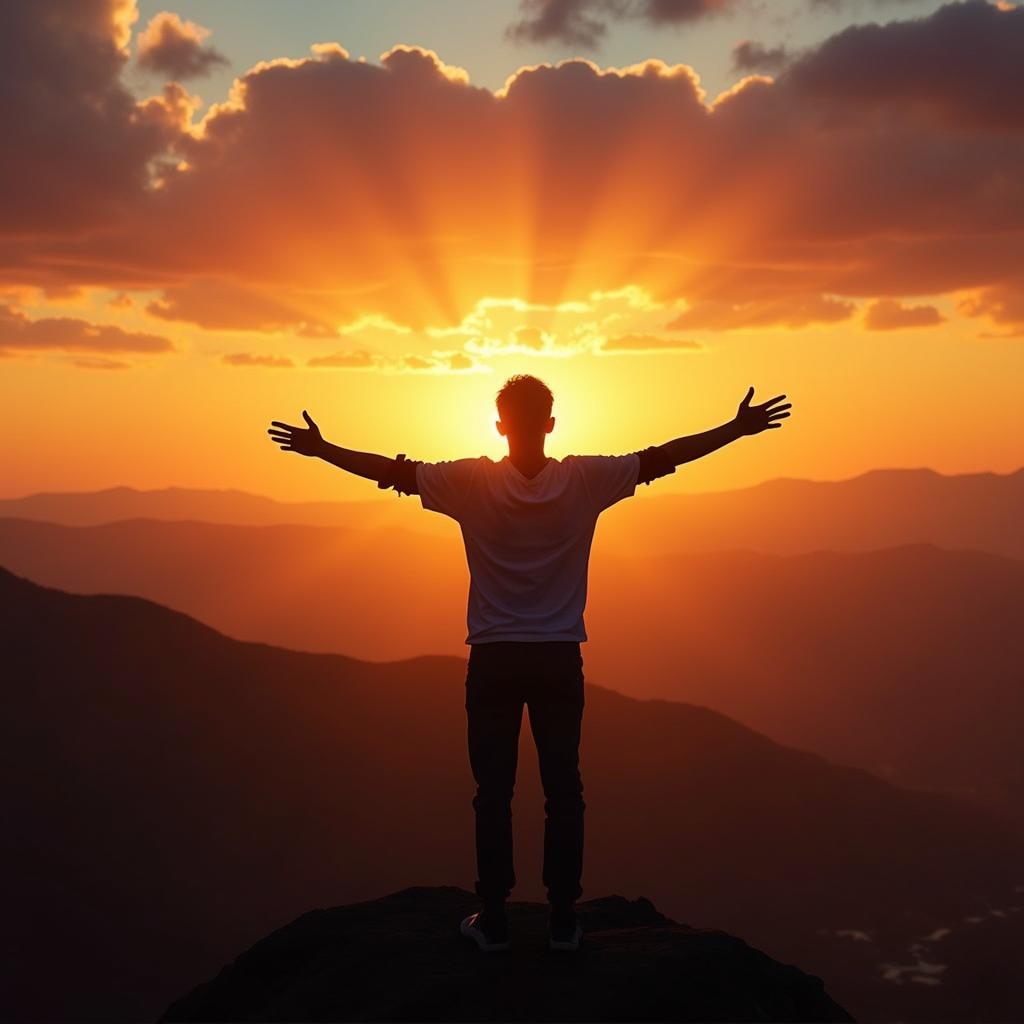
pixel 527 538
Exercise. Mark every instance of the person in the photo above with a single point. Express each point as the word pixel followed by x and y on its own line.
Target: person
pixel 527 523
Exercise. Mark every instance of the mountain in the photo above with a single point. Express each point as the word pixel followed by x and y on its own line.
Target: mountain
pixel 881 508
pixel 171 795
pixel 398 959
pixel 90 508
pixel 903 661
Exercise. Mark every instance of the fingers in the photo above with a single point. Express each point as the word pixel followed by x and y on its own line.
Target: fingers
pixel 308 419
pixel 772 401
pixel 287 426
pixel 777 416
pixel 747 397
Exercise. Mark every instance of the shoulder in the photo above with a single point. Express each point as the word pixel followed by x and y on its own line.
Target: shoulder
pixel 452 469
pixel 458 464
pixel 598 462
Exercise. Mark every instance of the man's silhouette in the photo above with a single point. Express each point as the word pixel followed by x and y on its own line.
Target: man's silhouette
pixel 527 522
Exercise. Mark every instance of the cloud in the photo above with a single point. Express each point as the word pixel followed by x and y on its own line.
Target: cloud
pixel 18 331
pixel 790 311
pixel 1001 303
pixel 248 359
pixel 446 362
pixel 224 305
pixel 648 343
pixel 287 208
pixel 584 22
pixel 890 315
pixel 749 56
pixel 173 47
pixel 99 363
pixel 75 149
pixel 410 362
pixel 355 360
pixel 959 67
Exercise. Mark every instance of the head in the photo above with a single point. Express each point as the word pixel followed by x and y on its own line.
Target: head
pixel 524 409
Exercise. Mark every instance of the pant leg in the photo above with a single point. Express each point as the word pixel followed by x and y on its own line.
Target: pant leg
pixel 494 712
pixel 555 701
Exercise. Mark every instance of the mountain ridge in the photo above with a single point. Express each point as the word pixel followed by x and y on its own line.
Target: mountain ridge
pixel 226 786
pixel 886 636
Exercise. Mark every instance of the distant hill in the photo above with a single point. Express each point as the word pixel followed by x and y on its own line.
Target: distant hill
pixel 881 508
pixel 904 661
pixel 404 962
pixel 170 795
pixel 90 508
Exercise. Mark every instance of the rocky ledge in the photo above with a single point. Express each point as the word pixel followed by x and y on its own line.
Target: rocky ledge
pixel 401 958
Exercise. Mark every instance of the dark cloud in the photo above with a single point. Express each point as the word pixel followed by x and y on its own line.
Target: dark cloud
pixel 784 311
pixel 584 22
pixel 961 67
pixel 890 315
pixel 173 47
pixel 1001 303
pixel 749 56
pixel 99 363
pixel 19 332
pixel 224 305
pixel 75 150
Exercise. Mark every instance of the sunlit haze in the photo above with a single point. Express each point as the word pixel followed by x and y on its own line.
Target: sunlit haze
pixel 378 211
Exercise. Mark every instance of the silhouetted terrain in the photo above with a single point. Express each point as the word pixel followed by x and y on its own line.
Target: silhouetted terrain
pixel 881 508
pixel 904 661
pixel 171 795
pixel 89 508
pixel 342 964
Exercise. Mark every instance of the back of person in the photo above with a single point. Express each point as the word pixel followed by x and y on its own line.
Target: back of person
pixel 527 539
pixel 527 522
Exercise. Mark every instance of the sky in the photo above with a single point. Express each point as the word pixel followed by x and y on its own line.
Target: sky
pixel 217 214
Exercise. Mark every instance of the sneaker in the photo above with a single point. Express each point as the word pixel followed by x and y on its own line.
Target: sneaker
pixel 564 933
pixel 490 936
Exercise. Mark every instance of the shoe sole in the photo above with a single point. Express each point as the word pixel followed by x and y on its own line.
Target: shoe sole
pixel 475 935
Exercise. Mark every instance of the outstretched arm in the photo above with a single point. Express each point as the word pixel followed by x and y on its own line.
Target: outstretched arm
pixel 311 443
pixel 749 419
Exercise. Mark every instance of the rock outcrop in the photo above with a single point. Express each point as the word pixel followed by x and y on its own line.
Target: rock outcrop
pixel 401 958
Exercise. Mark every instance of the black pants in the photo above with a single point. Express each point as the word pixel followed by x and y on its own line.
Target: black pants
pixel 547 677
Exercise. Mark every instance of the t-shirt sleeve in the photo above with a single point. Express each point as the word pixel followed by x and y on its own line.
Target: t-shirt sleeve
pixel 444 486
pixel 609 478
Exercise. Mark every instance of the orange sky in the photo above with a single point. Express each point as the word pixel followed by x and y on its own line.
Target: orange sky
pixel 381 243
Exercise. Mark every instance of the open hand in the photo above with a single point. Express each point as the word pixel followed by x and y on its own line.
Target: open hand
pixel 752 419
pixel 297 439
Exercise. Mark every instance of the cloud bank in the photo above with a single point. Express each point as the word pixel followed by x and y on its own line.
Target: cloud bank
pixel 887 162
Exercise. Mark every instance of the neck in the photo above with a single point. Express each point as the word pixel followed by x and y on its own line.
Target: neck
pixel 527 454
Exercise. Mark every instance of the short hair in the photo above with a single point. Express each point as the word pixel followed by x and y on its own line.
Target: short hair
pixel 524 401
